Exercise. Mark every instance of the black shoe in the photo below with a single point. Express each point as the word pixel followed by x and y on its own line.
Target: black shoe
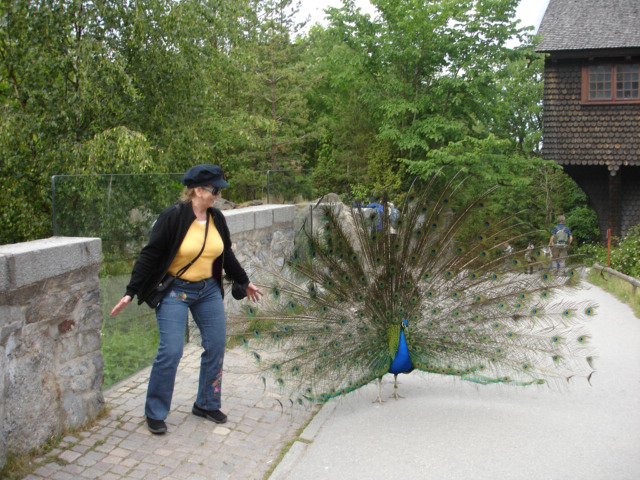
pixel 156 427
pixel 213 415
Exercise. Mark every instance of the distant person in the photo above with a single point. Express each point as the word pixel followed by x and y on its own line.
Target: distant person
pixel 376 218
pixel 529 258
pixel 378 211
pixel 560 242
pixel 507 251
pixel 188 248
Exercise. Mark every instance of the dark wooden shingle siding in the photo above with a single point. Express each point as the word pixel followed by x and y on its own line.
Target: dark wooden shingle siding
pixel 630 193
pixel 594 180
pixel 577 134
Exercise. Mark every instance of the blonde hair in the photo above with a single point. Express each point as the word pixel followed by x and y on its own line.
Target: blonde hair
pixel 187 194
pixel 562 219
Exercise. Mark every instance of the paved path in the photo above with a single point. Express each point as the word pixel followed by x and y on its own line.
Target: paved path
pixel 120 446
pixel 444 428
pixel 449 429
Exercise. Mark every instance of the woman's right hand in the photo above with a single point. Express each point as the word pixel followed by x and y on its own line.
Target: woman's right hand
pixel 126 300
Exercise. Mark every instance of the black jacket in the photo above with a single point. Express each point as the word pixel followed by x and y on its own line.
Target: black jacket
pixel 166 237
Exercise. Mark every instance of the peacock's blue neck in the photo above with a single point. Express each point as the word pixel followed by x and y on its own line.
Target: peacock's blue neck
pixel 402 360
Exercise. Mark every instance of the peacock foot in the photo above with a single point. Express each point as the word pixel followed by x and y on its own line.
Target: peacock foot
pixel 379 397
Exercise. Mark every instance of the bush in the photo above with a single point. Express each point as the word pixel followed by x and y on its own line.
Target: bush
pixel 625 258
pixel 591 253
pixel 625 253
pixel 584 224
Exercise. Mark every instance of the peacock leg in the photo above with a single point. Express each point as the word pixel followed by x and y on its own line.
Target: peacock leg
pixel 379 398
pixel 395 387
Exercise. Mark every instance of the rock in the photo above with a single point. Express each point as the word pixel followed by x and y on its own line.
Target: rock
pixel 223 204
pixel 328 198
pixel 251 203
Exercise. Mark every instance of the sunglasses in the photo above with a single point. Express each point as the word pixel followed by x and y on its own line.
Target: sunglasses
pixel 211 190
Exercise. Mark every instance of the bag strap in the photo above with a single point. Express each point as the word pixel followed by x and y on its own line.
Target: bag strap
pixel 185 268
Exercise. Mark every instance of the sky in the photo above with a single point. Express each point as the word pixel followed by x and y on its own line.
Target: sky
pixel 530 12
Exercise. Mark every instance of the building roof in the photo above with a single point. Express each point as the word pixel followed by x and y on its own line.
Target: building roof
pixel 590 25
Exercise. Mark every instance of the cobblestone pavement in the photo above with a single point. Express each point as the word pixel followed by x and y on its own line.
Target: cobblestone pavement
pixel 120 446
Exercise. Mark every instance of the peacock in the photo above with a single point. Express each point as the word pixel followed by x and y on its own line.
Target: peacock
pixel 427 285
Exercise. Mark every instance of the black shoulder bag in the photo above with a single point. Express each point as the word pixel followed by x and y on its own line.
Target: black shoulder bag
pixel 158 293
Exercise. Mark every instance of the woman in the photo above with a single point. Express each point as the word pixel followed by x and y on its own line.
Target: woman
pixel 177 238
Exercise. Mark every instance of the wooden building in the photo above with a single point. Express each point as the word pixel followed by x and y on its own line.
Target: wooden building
pixel 591 116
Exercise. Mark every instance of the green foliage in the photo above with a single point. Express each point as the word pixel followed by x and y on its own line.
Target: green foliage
pixel 128 346
pixel 270 121
pixel 130 340
pixel 112 150
pixel 328 174
pixel 428 69
pixel 625 258
pixel 117 208
pixel 625 253
pixel 591 253
pixel 358 192
pixel 386 171
pixel 107 88
pixel 584 224
pixel 155 86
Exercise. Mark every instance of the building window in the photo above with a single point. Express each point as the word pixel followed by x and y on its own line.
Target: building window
pixel 627 81
pixel 611 83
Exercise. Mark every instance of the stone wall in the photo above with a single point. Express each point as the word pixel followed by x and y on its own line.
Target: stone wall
pixel 261 235
pixel 50 320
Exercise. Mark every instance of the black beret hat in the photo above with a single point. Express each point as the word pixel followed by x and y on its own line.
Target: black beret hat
pixel 202 175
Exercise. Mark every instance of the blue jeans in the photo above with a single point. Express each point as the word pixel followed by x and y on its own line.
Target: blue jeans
pixel 204 299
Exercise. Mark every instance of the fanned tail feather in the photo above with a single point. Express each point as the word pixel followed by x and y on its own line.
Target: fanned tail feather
pixel 332 320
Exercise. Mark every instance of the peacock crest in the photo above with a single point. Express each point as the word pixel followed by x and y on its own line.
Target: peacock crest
pixel 427 286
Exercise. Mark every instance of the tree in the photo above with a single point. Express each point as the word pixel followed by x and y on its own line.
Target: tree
pixel 82 82
pixel 426 75
pixel 57 72
pixel 273 115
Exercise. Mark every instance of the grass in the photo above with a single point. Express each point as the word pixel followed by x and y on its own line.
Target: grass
pixel 19 465
pixel 617 287
pixel 130 340
pixel 128 346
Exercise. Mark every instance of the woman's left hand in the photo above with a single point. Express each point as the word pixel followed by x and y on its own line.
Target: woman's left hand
pixel 253 292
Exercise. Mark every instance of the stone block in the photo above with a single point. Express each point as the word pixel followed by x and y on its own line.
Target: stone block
pixel 4 273
pixel 11 321
pixel 284 213
pixel 30 262
pixel 98 377
pixel 8 332
pixel 263 217
pixel 48 304
pixel 31 415
pixel 66 348
pixel 89 342
pixel 3 394
pixel 239 221
pixel 90 317
pixel 72 408
pixel 3 370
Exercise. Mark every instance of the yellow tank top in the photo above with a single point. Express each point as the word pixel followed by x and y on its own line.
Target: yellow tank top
pixel 191 245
